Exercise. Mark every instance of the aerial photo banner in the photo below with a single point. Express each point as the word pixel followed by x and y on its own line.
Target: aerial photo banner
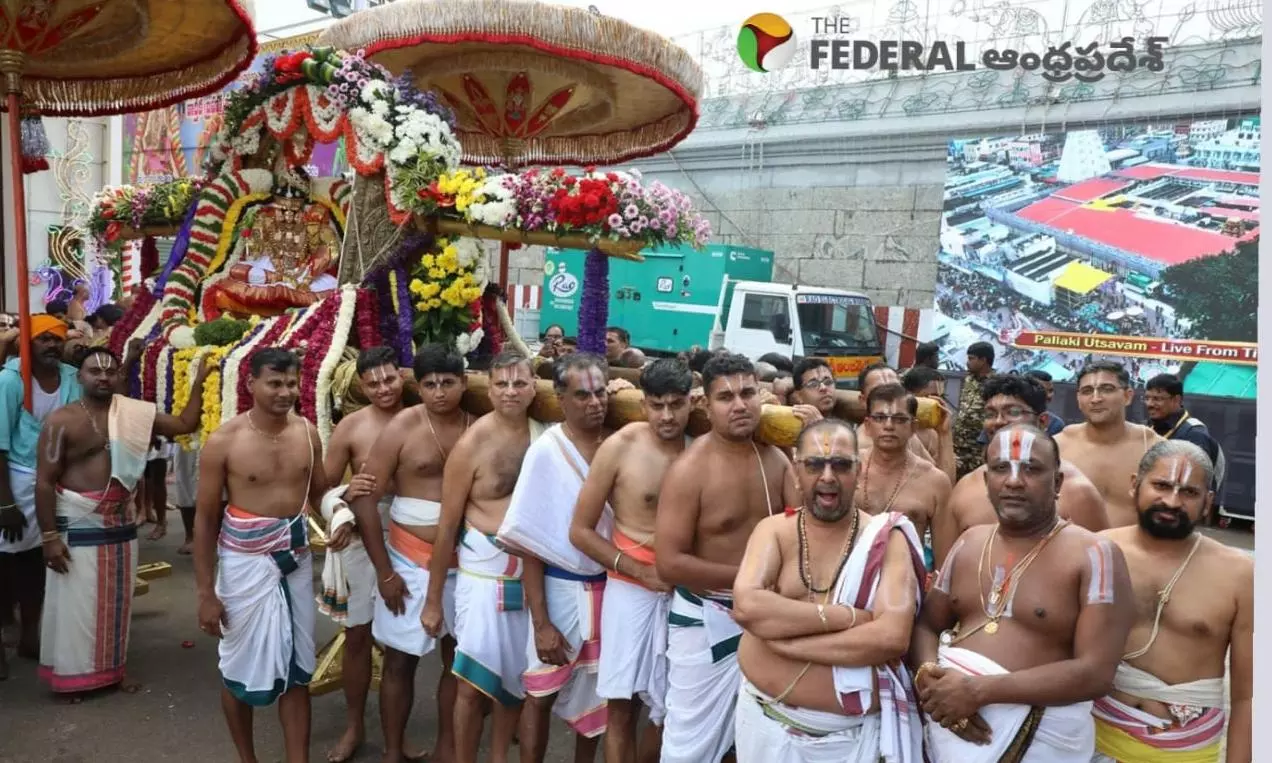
pixel 1133 243
pixel 171 143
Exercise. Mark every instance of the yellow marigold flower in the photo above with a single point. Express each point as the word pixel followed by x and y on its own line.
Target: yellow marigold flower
pixel 431 290
pixel 427 260
pixel 436 273
pixel 416 286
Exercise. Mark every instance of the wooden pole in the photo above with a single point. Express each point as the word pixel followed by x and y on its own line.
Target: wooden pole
pixel 11 65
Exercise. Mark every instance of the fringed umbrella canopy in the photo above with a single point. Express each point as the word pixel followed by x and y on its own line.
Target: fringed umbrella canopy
pixel 533 83
pixel 96 57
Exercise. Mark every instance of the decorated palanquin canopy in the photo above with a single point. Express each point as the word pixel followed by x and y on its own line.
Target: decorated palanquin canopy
pixel 532 83
pixel 95 57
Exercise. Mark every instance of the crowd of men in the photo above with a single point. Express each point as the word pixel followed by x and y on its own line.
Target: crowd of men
pixel 756 603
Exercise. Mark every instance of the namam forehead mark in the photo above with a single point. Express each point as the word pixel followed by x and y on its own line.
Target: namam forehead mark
pixel 101 361
pixel 379 375
pixel 1017 450
pixel 1179 472
pixel 736 383
pixel 1100 560
pixel 590 379
pixel 836 443
pixel 510 374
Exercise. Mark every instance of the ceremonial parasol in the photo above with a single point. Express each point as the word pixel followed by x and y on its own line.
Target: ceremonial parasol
pixel 99 57
pixel 532 83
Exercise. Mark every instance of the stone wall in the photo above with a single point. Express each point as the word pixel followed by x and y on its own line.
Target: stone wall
pixel 863 216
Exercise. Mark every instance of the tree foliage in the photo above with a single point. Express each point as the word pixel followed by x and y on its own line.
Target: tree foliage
pixel 1218 294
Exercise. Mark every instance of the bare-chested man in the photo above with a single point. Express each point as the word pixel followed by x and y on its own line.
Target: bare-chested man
pixel 406 465
pixel 1106 447
pixel 492 625
pixel 91 457
pixel 1012 400
pixel 350 449
pixel 892 477
pixel 1194 604
pixel 260 601
pixel 824 626
pixel 712 497
pixel 880 374
pixel 564 588
pixel 627 475
pixel 1025 622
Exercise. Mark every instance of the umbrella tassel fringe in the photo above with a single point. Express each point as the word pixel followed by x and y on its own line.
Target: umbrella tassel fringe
pixel 35 145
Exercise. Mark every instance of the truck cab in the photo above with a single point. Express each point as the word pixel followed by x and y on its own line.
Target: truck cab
pixel 756 318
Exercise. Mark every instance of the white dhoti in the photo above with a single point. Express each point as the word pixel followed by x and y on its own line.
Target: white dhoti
pixel 702 680
pixel 410 557
pixel 348 578
pixel 491 621
pixel 1021 734
pixel 88 609
pixel 634 632
pixel 574 607
pixel 265 582
pixel 769 732
pixel 185 477
pixel 900 735
pixel 1126 734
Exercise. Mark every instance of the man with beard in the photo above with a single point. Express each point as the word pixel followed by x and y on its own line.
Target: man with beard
pixel 348 594
pixel 260 602
pixel 893 478
pixel 1107 447
pixel 490 624
pixel 92 457
pixel 53 385
pixel 1024 624
pixel 826 596
pixel 712 498
pixel 1012 400
pixel 880 374
pixel 1195 607
pixel 563 587
pixel 627 475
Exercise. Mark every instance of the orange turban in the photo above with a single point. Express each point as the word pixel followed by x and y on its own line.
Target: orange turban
pixel 47 324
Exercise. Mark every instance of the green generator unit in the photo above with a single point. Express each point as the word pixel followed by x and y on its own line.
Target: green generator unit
pixel 668 303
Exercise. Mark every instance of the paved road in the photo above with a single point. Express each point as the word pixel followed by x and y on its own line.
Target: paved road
pixel 177 714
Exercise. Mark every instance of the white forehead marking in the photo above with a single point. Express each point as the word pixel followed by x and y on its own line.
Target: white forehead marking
pixel 433 379
pixel 593 380
pixel 1019 441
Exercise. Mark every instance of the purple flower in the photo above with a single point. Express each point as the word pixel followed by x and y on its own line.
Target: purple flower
pixel 594 305
pixel 631 213
pixel 615 220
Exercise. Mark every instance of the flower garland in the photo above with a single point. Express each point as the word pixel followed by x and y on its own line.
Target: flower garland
pixel 611 205
pixel 137 317
pixel 447 287
pixel 177 254
pixel 149 366
pixel 163 378
pixel 212 413
pixel 138 206
pixel 330 359
pixel 316 340
pixel 368 319
pixel 594 304
pixel 230 377
pixel 273 331
pixel 183 361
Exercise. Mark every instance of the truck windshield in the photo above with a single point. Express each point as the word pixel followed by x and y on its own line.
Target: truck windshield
pixel 835 324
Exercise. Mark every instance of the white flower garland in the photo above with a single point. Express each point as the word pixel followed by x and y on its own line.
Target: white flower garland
pixel 322 389
pixel 499 205
pixel 147 324
pixel 230 375
pixel 162 363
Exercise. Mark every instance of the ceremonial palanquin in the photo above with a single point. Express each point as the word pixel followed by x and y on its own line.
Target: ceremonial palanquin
pixel 263 255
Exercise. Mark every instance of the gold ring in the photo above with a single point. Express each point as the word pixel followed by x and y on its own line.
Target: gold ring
pixel 960 725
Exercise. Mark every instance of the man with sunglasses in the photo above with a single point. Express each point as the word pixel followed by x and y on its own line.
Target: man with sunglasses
pixel 1012 400
pixel 824 628
pixel 879 374
pixel 1107 447
pixel 893 478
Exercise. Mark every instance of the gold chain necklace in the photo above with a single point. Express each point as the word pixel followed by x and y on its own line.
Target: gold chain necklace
pixel 896 491
pixel 92 419
pixel 1005 591
pixel 805 560
pixel 274 438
